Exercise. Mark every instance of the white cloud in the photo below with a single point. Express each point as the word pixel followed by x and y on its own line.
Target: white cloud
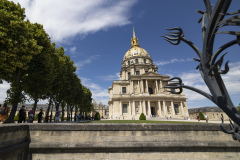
pixel 80 64
pixel 3 89
pixel 98 93
pixel 194 79
pixel 73 50
pixel 161 63
pixel 115 76
pixel 66 19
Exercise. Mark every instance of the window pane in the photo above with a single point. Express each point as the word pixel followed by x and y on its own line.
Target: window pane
pixel 144 60
pixel 136 60
pixel 124 90
pixel 176 108
pixel 125 108
pixel 137 73
pixel 128 62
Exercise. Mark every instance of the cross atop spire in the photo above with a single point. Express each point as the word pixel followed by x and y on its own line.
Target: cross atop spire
pixel 134 40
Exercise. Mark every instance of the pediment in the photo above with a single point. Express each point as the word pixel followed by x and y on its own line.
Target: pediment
pixel 151 74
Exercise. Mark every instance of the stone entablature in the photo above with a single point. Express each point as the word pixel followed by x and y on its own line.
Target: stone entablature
pixel 140 89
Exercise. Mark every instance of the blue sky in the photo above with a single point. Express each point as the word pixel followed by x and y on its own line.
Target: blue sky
pixel 96 34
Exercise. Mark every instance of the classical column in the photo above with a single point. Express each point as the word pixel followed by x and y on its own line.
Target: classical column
pixel 149 108
pixel 144 108
pixel 181 104
pixel 156 86
pixel 160 110
pixel 173 111
pixel 121 112
pixel 141 109
pixel 129 108
pixel 164 108
pixel 132 87
pixel 138 87
pixel 142 89
pixel 146 86
pixel 133 108
pixel 161 86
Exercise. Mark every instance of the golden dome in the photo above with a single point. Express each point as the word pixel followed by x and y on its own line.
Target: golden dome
pixel 135 50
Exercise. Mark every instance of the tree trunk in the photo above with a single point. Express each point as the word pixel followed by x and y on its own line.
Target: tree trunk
pixel 47 111
pixel 17 93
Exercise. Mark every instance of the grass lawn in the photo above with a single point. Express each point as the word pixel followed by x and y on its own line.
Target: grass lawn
pixel 136 121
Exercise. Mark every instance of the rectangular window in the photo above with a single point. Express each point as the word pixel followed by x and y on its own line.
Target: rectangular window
pixel 129 74
pixel 144 60
pixel 176 108
pixel 125 108
pixel 137 73
pixel 136 61
pixel 146 71
pixel 124 90
pixel 128 62
pixel 150 90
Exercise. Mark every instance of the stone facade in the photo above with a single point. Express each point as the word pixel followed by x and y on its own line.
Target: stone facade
pixel 214 113
pixel 140 89
pixel 102 109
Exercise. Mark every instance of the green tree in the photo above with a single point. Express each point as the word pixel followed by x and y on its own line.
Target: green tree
pixel 97 116
pixel 201 116
pixel 17 48
pixel 142 117
pixel 86 105
pixel 40 74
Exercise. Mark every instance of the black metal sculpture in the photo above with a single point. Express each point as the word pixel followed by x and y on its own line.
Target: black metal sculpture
pixel 209 68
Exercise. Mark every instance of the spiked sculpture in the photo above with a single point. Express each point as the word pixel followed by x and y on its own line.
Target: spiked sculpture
pixel 209 68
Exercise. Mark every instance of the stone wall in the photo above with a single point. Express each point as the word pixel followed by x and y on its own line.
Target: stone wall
pixel 123 141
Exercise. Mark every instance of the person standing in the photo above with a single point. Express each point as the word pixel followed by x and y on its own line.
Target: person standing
pixel 57 116
pixel 40 115
pixel 206 117
pixel 31 115
pixel 22 115
pixel 4 112
pixel 198 118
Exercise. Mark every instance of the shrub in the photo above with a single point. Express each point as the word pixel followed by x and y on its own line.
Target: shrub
pixel 142 117
pixel 201 116
pixel 97 116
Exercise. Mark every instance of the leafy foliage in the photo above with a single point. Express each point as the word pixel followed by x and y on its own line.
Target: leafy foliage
pixel 142 117
pixel 201 116
pixel 97 116
pixel 35 67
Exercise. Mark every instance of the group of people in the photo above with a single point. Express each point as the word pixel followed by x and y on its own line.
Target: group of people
pixel 5 110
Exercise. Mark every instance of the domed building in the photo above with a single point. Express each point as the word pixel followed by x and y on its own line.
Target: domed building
pixel 140 89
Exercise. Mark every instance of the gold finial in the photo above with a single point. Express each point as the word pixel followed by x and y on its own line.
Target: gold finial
pixel 134 40
pixel 134 33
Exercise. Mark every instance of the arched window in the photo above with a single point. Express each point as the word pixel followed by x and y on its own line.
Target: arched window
pixel 136 61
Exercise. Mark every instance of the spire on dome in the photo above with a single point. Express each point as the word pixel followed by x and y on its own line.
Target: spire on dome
pixel 134 40
pixel 134 33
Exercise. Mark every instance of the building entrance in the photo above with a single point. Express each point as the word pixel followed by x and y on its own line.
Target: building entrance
pixel 153 113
